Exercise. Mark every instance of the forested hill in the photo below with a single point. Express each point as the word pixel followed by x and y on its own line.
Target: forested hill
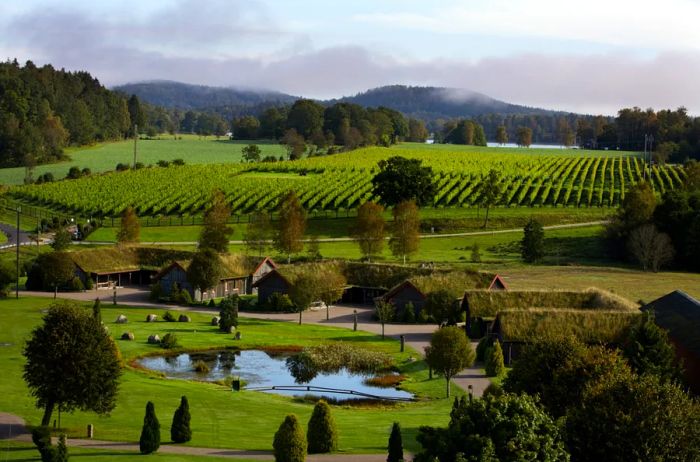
pixel 430 103
pixel 43 109
pixel 185 96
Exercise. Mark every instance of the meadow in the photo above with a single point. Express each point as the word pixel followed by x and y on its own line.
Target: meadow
pixel 342 182
pixel 220 417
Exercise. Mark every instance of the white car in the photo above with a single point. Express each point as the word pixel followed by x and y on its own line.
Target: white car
pixel 316 306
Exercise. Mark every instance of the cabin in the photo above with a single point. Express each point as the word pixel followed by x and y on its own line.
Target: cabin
pixel 403 294
pixel 679 314
pixel 240 273
pixel 361 295
pixel 111 267
pixel 273 282
pixel 497 283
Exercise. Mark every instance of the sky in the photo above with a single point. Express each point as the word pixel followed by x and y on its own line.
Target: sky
pixel 592 57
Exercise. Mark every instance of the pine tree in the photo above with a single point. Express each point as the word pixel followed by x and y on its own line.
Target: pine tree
pixel 150 434
pixel 180 431
pixel 495 366
pixel 61 454
pixel 322 433
pixel 290 443
pixel 648 350
pixel 395 444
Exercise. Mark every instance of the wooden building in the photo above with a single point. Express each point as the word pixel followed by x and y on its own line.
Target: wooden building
pixel 110 267
pixel 240 273
pixel 679 314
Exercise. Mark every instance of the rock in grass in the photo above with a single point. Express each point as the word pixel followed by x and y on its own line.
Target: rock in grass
pixel 152 318
pixel 128 336
pixel 184 318
pixel 154 339
pixel 121 319
pixel 215 321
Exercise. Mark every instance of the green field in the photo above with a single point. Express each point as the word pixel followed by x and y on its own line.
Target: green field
pixel 341 182
pixel 104 157
pixel 220 418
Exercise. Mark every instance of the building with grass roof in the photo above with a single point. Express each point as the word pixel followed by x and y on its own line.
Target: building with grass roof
pixel 679 314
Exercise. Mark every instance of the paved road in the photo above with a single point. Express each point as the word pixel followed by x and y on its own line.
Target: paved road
pixel 11 232
pixel 349 239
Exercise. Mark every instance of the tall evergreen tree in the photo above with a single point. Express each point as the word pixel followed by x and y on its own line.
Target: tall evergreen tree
pixel 395 444
pixel 289 444
pixel 150 433
pixel 532 245
pixel 648 350
pixel 322 433
pixel 180 431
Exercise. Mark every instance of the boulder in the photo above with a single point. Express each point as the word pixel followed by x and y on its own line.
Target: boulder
pixel 215 321
pixel 128 336
pixel 154 339
pixel 121 319
pixel 151 318
pixel 231 329
pixel 184 318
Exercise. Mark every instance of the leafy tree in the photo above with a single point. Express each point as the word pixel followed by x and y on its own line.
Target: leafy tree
pixel 634 418
pixel 559 370
pixel 251 153
pixel 129 227
pixel 400 179
pixel 8 276
pixel 304 291
pixel 258 233
pixel 150 433
pixel 524 137
pixel 532 245
pixel 385 312
pixel 215 232
pixel 295 144
pixel 228 313
pixel 395 444
pixel 476 253
pixel 246 128
pixel 441 305
pixel 501 135
pixel 494 361
pixel 205 270
pixel 61 240
pixel 322 433
pixel 417 133
pixel 490 192
pixel 313 248
pixel 180 431
pixel 306 117
pixel 637 209
pixel 329 288
pixel 449 352
pixel 291 225
pixel 289 444
pixel 650 248
pixel 405 230
pixel 649 351
pixel 495 428
pixel 71 362
pixel 50 271
pixel 369 229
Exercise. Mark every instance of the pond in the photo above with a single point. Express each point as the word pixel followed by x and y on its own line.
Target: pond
pixel 260 369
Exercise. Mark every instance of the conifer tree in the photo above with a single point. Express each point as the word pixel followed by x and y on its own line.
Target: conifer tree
pixel 395 444
pixel 150 434
pixel 180 431
pixel 289 444
pixel 495 366
pixel 322 433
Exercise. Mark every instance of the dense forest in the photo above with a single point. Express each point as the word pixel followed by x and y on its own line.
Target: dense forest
pixel 42 110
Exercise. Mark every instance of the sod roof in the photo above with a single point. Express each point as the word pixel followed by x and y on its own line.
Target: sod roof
pixel 106 260
pixel 679 314
pixel 233 266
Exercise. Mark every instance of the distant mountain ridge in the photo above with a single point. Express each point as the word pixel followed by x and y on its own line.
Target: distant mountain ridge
pixel 427 103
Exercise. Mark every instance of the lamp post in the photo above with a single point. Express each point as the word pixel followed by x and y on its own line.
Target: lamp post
pixel 19 209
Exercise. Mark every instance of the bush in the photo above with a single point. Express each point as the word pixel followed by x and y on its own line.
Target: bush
pixel 76 285
pixel 322 433
pixel 280 302
pixel 212 303
pixel 409 313
pixel 156 292
pixel 201 367
pixel 150 433
pixel 89 284
pixel 168 317
pixel 169 341
pixel 290 443
pixel 395 444
pixel 61 450
pixel 484 344
pixel 182 297
pixel 494 361
pixel 228 313
pixel 122 167
pixel 247 304
pixel 163 163
pixel 423 316
pixel 138 166
pixel 180 431
pixel 178 162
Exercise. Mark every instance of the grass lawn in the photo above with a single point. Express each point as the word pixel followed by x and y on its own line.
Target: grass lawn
pixel 220 418
pixel 104 157
pixel 24 452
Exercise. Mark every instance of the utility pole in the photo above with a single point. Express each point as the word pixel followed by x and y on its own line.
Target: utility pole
pixel 136 137
pixel 17 262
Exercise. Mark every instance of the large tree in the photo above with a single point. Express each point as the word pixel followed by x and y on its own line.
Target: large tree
pixel 258 233
pixel 449 352
pixel 291 225
pixel 50 271
pixel 532 244
pixel 369 229
pixel 649 351
pixel 501 135
pixel 306 117
pixel 71 362
pixel 129 227
pixel 205 270
pixel 650 248
pixel 400 179
pixel 215 232
pixel 405 230
pixel 495 428
pixel 524 137
pixel 490 192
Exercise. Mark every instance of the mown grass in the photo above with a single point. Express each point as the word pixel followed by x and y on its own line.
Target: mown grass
pixel 220 418
pixel 104 157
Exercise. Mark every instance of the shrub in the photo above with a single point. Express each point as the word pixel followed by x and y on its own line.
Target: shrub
pixel 212 303
pixel 178 162
pixel 122 167
pixel 163 163
pixel 168 317
pixel 169 341
pixel 89 284
pixel 494 361
pixel 322 433
pixel 201 367
pixel 180 431
pixel 395 444
pixel 484 344
pixel 423 316
pixel 138 165
pixel 61 450
pixel 150 433
pixel 280 302
pixel 290 444
pixel 76 285
pixel 156 292
pixel 182 297
pixel 409 313
pixel 228 313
